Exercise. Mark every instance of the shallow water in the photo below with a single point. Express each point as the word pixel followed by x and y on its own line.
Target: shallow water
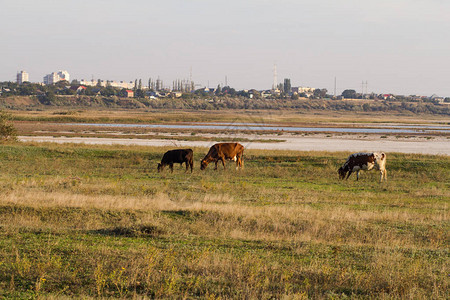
pixel 261 127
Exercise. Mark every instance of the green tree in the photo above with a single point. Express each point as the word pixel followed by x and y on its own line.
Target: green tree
pixel 218 90
pixel 320 93
pixel 287 86
pixel 48 98
pixel 109 91
pixel 349 94
pixel 151 84
pixel 229 91
pixel 139 93
pixel 28 89
pixel 89 91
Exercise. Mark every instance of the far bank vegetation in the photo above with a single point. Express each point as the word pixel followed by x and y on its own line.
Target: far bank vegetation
pixel 31 96
pixel 218 103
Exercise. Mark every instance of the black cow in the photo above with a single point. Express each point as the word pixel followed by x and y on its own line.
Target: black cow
pixel 178 156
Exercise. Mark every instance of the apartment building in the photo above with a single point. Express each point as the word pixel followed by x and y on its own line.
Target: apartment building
pixel 22 76
pixel 54 77
pixel 104 83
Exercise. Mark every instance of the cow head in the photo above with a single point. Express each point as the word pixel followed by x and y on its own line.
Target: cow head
pixel 203 164
pixel 342 172
pixel 379 156
pixel 160 167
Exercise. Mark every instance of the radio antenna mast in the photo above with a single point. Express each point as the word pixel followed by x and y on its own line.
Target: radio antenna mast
pixel 334 86
pixel 275 83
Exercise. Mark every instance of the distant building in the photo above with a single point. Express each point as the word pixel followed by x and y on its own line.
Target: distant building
pixel 388 96
pixel 64 75
pixel 56 76
pixel 81 89
pixel 22 76
pixel 266 93
pixel 128 93
pixel 308 91
pixel 50 78
pixel 105 83
pixel 436 98
pixel 302 89
pixel 88 82
pixel 177 94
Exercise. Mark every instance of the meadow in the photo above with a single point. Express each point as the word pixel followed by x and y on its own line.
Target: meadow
pixel 274 116
pixel 99 221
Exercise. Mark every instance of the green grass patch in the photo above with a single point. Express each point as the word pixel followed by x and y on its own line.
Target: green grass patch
pixel 100 221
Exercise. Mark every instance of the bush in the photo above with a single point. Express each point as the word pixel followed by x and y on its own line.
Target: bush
pixel 7 130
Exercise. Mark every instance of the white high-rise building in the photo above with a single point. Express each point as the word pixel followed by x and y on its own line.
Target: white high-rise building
pixel 22 76
pixel 51 78
pixel 64 75
pixel 56 76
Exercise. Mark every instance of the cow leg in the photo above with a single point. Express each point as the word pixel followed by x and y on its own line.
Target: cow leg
pixel 239 162
pixel 348 175
pixel 357 175
pixel 171 167
pixel 383 174
pixel 223 162
pixel 192 165
pixel 187 166
pixel 217 161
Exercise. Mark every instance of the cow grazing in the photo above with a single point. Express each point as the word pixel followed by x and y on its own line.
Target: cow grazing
pixel 223 151
pixel 178 156
pixel 364 161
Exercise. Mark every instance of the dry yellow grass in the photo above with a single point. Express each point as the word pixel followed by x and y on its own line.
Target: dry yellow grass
pixel 301 222
pixel 266 116
pixel 99 221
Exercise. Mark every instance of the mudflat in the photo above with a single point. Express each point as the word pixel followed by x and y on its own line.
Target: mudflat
pixel 320 142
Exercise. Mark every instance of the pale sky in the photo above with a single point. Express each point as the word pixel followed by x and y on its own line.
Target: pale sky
pixel 397 46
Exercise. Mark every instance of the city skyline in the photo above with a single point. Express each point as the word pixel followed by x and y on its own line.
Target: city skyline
pixel 396 47
pixel 61 75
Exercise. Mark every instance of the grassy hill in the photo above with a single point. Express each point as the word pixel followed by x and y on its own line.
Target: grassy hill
pixel 220 103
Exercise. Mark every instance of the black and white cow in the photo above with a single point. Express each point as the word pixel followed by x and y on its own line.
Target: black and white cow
pixel 364 161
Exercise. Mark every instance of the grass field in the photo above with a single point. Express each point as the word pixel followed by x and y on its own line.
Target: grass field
pixel 99 221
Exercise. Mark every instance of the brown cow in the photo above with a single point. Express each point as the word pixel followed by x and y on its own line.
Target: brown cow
pixel 223 151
